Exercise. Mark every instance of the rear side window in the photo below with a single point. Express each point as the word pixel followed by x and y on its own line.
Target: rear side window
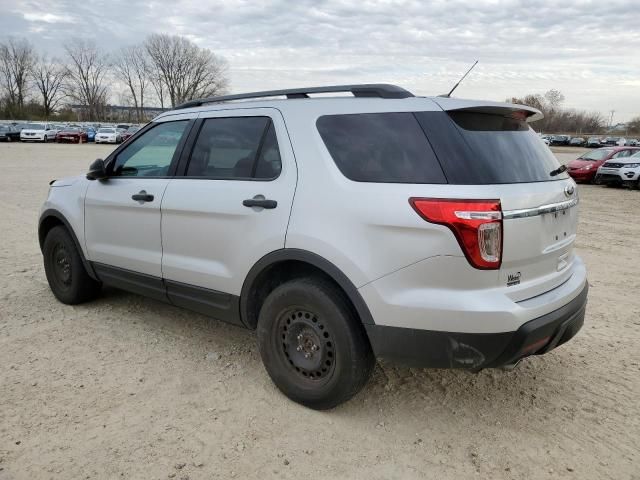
pixel 380 147
pixel 477 148
pixel 235 148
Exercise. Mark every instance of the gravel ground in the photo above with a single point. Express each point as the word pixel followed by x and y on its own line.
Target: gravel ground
pixel 126 387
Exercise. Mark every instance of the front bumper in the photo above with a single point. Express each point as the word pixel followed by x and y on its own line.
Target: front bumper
pixel 608 178
pixel 582 175
pixel 475 351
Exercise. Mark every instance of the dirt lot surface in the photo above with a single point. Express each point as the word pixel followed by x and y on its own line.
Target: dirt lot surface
pixel 126 387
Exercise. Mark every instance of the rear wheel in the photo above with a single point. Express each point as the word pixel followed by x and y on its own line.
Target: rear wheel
pixel 312 343
pixel 67 277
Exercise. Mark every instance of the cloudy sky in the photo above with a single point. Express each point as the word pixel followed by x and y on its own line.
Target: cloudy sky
pixel 590 50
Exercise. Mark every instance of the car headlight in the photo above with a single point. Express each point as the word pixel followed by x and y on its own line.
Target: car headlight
pixel 631 165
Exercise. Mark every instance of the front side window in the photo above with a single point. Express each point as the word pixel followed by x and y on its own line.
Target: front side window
pixel 150 155
pixel 235 148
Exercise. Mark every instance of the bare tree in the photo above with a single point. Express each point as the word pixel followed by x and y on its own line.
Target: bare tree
pixel 132 68
pixel 86 73
pixel 186 70
pixel 558 119
pixel 49 77
pixel 634 125
pixel 17 56
pixel 158 86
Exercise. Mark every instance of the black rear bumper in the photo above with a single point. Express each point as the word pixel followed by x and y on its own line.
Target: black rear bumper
pixel 475 351
pixel 608 179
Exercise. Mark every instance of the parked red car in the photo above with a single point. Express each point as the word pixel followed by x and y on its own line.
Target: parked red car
pixel 72 134
pixel 584 168
pixel 128 133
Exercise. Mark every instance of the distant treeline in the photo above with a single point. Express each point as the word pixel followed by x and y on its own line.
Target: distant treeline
pixel 558 119
pixel 164 70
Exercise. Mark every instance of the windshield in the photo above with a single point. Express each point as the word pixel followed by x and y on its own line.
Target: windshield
pixel 107 130
pixel 133 129
pixel 72 129
pixel 596 155
pixel 33 126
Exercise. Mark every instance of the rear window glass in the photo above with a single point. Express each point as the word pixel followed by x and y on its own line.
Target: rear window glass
pixel 380 147
pixel 477 148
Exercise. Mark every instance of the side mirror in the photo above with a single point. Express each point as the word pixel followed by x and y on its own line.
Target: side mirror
pixel 97 170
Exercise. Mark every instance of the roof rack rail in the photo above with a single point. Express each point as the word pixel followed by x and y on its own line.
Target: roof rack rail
pixel 381 90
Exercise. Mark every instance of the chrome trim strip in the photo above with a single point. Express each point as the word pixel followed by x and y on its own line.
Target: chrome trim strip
pixel 532 212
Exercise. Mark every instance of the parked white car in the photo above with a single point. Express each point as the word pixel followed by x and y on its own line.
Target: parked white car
pixel 432 231
pixel 108 135
pixel 620 171
pixel 38 132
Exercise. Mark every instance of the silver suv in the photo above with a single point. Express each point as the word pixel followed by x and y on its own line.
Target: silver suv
pixel 433 231
pixel 621 171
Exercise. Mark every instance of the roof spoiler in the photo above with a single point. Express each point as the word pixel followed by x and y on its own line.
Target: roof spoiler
pixel 491 108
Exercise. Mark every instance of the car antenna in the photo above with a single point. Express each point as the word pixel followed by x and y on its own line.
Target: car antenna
pixel 460 81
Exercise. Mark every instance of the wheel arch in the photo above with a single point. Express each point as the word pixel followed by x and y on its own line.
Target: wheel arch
pixel 51 218
pixel 282 265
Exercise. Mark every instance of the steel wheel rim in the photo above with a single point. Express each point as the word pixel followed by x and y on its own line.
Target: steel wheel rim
pixel 61 261
pixel 306 345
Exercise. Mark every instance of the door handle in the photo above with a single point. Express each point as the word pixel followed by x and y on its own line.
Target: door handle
pixel 142 196
pixel 260 201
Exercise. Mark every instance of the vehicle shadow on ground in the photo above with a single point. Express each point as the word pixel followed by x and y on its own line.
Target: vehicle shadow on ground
pixel 494 393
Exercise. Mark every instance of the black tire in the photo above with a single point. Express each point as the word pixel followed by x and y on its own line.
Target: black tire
pixel 45 139
pixel 67 277
pixel 312 343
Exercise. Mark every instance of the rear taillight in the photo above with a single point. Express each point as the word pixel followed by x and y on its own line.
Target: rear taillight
pixel 476 224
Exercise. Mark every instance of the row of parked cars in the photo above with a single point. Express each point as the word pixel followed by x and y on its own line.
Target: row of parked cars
pixel 612 166
pixel 591 142
pixel 70 133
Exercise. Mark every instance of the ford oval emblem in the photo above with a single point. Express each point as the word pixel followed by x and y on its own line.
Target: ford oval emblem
pixel 569 189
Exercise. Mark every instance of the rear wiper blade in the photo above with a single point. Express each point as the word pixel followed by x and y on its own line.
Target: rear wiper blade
pixel 558 171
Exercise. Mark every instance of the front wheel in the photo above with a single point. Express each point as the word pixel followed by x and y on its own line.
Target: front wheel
pixel 312 344
pixel 67 277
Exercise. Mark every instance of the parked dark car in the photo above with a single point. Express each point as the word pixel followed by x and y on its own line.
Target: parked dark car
pixel 594 142
pixel 128 133
pixel 584 168
pixel 9 133
pixel 611 140
pixel 72 135
pixel 576 142
pixel 560 140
